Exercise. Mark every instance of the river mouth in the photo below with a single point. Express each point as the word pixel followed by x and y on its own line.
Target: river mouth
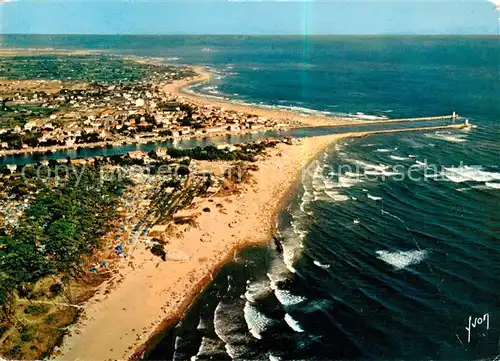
pixel 186 143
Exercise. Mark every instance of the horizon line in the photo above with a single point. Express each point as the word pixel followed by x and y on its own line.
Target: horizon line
pixel 220 34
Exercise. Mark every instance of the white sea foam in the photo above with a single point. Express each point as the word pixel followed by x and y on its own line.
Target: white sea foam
pixel 336 196
pixel 348 182
pixel 373 197
pixel 449 137
pixel 395 157
pixel 329 184
pixel 384 173
pixel 285 297
pixel 402 259
pixel 361 115
pixel 469 173
pixel 307 196
pixel 372 172
pixel 385 150
pixel 256 321
pixel 207 347
pixel 257 290
pixel 432 175
pixel 351 175
pixel 422 164
pixel 478 186
pixel 377 167
pixel 302 110
pixel 319 264
pixel 389 173
pixel 202 325
pixel 274 358
pixel 294 324
pixel 289 258
pixel 493 185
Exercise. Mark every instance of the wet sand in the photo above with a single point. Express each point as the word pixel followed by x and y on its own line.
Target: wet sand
pixel 180 88
pixel 150 293
pixel 116 324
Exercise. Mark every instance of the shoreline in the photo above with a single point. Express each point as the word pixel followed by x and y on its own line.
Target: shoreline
pixel 248 218
pixel 291 118
pixel 177 88
pixel 153 294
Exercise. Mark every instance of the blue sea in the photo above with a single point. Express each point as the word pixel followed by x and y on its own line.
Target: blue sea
pixel 391 243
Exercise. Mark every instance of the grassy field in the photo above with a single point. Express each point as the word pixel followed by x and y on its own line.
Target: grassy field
pixel 86 68
pixel 20 114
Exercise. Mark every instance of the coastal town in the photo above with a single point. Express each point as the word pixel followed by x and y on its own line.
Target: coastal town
pixel 68 116
pixel 74 230
pixel 135 199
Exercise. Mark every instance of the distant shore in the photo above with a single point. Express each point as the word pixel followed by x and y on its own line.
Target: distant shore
pixel 179 88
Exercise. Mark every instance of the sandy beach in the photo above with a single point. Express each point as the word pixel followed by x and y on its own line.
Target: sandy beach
pixel 149 293
pixel 180 88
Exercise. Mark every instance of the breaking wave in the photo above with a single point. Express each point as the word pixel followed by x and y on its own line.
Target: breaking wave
pixel 375 198
pixel 294 324
pixel 321 265
pixel 402 259
pixel 395 157
pixel 448 136
pixel 469 173
pixel 493 185
pixel 256 321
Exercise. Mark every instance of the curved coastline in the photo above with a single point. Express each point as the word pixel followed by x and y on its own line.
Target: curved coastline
pixel 317 145
pixel 289 117
pixel 295 119
pixel 179 88
pixel 154 295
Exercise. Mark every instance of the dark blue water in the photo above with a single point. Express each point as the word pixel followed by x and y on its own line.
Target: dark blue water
pixel 391 243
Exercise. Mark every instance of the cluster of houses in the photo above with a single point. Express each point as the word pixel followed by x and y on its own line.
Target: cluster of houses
pixel 11 209
pixel 121 113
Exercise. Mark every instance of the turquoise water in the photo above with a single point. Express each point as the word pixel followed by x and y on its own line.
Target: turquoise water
pixel 391 242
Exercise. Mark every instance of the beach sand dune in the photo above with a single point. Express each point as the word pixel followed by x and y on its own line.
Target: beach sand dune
pixel 148 293
pixel 153 292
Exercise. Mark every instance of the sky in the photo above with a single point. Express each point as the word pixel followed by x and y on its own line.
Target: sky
pixel 249 17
